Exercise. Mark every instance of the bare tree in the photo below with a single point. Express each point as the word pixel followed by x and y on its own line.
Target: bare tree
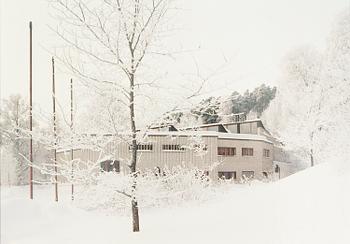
pixel 113 46
pixel 13 119
pixel 311 111
pixel 15 137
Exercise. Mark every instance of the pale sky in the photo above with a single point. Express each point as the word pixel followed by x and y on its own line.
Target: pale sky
pixel 252 36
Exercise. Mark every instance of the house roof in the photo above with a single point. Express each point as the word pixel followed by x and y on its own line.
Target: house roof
pixel 220 135
pixel 227 123
pixel 170 126
pixel 175 129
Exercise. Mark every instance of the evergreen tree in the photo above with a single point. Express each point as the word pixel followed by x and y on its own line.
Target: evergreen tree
pixel 216 109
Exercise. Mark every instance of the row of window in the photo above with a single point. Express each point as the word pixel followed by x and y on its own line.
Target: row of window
pixel 173 147
pixel 222 151
pixel 166 147
pixel 114 166
pixel 226 151
pixel 143 147
pixel 231 151
pixel 228 175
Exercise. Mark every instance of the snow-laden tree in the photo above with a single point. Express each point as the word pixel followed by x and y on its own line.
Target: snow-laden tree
pixel 223 108
pixel 14 126
pixel 115 49
pixel 303 104
pixel 14 119
pixel 337 91
pixel 311 110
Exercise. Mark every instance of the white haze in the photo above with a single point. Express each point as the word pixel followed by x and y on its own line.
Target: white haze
pixel 247 38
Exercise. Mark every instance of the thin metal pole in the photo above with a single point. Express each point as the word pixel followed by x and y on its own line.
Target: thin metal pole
pixel 30 113
pixel 71 127
pixel 54 126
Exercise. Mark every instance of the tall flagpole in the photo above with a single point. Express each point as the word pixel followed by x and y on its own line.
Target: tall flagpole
pixel 54 127
pixel 71 127
pixel 30 113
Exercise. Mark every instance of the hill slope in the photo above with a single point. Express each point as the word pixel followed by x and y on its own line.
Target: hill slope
pixel 312 206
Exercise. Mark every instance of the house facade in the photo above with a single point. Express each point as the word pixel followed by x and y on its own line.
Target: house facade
pixel 235 150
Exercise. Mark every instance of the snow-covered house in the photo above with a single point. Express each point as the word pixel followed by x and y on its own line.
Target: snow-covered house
pixel 223 150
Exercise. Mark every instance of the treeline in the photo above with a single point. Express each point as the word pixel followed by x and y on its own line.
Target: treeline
pixel 222 109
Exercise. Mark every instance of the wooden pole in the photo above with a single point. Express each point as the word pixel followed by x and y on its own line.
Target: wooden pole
pixel 30 113
pixel 71 127
pixel 54 126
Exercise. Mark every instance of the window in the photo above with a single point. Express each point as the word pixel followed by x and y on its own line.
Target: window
pixel 226 151
pixel 110 165
pixel 173 147
pixel 247 151
pixel 227 175
pixel 266 153
pixel 248 174
pixel 143 147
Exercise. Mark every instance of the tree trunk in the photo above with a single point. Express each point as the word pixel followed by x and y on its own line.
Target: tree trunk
pixel 312 150
pixel 312 158
pixel 134 204
pixel 135 214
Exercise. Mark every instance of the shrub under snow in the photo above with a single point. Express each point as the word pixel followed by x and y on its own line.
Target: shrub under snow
pixel 171 187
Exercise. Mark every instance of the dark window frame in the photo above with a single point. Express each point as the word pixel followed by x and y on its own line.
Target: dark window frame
pixel 110 166
pixel 143 147
pixel 266 153
pixel 227 151
pixel 173 147
pixel 252 174
pixel 247 151
pixel 227 175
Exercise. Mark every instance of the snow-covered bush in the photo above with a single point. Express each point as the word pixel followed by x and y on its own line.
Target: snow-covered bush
pixel 111 191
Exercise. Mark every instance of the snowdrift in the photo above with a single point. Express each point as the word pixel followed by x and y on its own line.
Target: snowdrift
pixel 312 206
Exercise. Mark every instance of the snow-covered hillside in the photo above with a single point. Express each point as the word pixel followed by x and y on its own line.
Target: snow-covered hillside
pixel 312 206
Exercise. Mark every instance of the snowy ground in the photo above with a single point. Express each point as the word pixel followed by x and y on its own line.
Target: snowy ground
pixel 312 206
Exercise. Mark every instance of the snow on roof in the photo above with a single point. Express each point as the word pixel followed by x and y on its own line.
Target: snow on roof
pixel 252 137
pixel 181 133
pixel 195 126
pixel 162 126
pixel 220 135
pixel 219 123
